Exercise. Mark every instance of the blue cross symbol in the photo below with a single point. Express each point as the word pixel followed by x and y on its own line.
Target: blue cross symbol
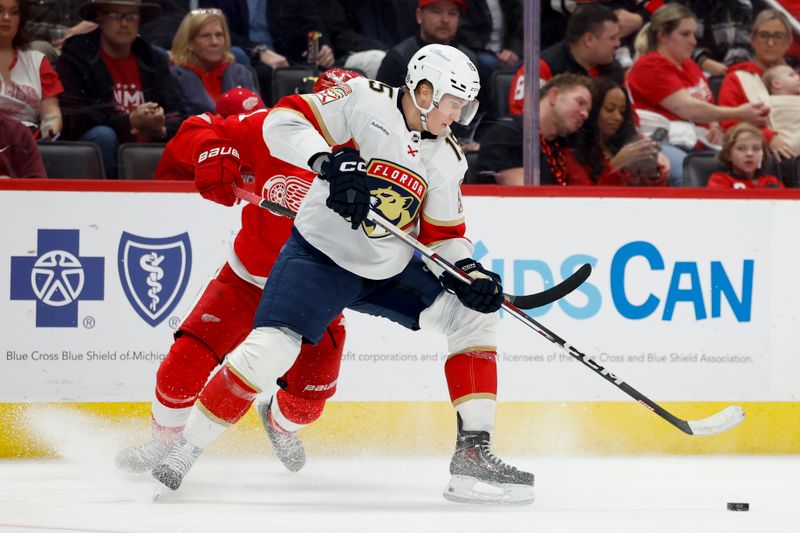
pixel 57 278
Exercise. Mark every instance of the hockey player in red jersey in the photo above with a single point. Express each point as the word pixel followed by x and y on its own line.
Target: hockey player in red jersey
pixel 409 168
pixel 210 150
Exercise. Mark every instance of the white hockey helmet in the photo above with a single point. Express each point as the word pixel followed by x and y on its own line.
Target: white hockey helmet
pixel 450 71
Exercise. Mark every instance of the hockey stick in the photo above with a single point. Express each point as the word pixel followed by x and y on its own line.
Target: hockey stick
pixel 523 301
pixel 716 423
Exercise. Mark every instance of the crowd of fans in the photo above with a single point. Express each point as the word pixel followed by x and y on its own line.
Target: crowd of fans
pixel 624 85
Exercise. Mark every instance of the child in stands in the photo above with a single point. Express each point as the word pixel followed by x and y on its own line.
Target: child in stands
pixel 743 151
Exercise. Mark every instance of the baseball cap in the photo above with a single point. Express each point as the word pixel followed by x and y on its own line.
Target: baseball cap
pixel 461 4
pixel 237 101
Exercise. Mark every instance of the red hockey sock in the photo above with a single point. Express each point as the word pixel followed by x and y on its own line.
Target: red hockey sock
pixel 183 372
pixel 298 410
pixel 471 375
pixel 227 397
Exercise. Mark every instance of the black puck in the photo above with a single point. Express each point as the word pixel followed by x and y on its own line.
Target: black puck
pixel 738 506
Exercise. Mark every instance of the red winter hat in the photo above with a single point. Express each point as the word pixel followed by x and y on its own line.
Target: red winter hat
pixel 237 101
pixel 333 77
pixel 460 4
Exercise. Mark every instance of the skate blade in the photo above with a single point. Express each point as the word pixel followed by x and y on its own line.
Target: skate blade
pixel 158 492
pixel 465 489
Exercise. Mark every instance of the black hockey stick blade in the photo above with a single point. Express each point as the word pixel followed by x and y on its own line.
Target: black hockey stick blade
pixel 554 293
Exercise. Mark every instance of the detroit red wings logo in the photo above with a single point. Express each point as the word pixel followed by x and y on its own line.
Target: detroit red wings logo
pixel 288 191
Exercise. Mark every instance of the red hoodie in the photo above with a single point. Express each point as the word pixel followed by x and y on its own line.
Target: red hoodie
pixel 731 94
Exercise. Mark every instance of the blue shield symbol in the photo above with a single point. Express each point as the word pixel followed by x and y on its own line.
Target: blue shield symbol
pixel 154 273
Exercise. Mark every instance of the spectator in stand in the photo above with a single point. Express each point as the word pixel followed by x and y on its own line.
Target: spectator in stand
pixel 438 23
pixel 722 33
pixel 564 105
pixel 117 87
pixel 771 37
pixel 388 21
pixel 51 22
pixel 607 150
pixel 782 80
pixel 669 90
pixel 19 153
pixel 493 30
pixel 203 65
pixel 588 49
pixel 250 26
pixel 292 20
pixel 792 7
pixel 630 13
pixel 743 153
pixel 28 84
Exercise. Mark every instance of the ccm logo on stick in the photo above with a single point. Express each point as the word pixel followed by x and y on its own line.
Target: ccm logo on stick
pixel 350 166
pixel 214 152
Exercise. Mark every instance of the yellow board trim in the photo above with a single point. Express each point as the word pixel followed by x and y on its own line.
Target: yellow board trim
pixel 522 428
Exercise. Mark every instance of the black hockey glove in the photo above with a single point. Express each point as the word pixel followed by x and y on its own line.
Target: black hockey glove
pixel 484 294
pixel 349 195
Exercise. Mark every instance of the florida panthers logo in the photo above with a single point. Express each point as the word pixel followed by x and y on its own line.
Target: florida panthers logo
pixel 288 191
pixel 397 194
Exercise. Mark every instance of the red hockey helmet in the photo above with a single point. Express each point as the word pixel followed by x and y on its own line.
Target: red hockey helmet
pixel 333 77
pixel 237 101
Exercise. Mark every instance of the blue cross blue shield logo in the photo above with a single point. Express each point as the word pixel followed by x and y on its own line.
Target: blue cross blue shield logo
pixel 154 273
pixel 57 278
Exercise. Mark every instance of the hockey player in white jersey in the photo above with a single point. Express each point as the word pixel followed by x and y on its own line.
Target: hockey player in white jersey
pixel 409 168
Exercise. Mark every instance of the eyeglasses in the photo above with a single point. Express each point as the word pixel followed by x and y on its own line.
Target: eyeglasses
pixel 766 36
pixel 206 11
pixel 119 17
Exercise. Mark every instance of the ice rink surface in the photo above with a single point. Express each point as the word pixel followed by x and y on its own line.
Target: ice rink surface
pixel 82 492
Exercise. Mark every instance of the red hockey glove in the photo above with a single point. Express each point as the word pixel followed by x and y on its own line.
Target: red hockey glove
pixel 484 294
pixel 217 171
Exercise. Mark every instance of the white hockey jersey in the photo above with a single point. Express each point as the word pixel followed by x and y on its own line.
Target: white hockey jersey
pixel 415 178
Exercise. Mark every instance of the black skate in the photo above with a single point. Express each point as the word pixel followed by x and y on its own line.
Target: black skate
pixel 478 476
pixel 171 470
pixel 288 446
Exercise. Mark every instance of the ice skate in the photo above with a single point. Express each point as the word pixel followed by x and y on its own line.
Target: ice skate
pixel 288 446
pixel 171 470
pixel 478 476
pixel 138 459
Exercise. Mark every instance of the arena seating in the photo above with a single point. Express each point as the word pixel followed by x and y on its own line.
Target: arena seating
pixel 138 161
pixel 72 160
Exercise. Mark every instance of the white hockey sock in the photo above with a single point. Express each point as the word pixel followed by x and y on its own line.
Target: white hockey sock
pixel 202 427
pixel 169 417
pixel 477 415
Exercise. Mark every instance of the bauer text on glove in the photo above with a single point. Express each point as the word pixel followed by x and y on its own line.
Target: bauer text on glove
pixel 345 171
pixel 217 171
pixel 484 294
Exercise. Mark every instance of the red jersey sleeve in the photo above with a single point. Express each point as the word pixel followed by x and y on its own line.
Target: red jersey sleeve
pixel 51 84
